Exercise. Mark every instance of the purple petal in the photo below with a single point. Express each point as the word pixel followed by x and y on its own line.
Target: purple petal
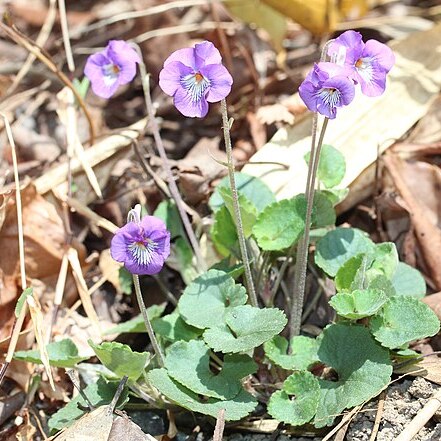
pixel 170 76
pixel 163 244
pixel 205 54
pixel 151 224
pixel 188 107
pixel 102 85
pixel 381 53
pixel 121 52
pixel 220 82
pixel 126 235
pixel 308 93
pixel 185 56
pixel 353 44
pixel 345 86
pixel 373 83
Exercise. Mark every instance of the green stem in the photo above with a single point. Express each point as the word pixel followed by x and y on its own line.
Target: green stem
pixel 236 208
pixel 147 323
pixel 174 191
pixel 302 250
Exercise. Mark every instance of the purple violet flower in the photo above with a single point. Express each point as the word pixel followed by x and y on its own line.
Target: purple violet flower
pixel 111 67
pixel 142 247
pixel 195 77
pixel 368 62
pixel 327 87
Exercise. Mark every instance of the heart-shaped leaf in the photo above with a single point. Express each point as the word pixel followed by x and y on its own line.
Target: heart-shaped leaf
pixel 339 245
pixel 297 402
pixel 205 301
pixel 402 320
pixel 246 327
pixel 235 409
pixel 173 328
pixel 408 281
pixel 136 324
pixel 362 366
pixel 280 224
pixel 253 188
pixel 359 303
pixel 63 353
pixel 120 359
pixel 332 166
pixel 188 363
pixel 224 232
pixel 303 352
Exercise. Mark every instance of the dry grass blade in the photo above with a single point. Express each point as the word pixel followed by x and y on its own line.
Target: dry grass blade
pixel 82 287
pixel 66 113
pixel 34 49
pixel 220 426
pixel 101 151
pixel 37 322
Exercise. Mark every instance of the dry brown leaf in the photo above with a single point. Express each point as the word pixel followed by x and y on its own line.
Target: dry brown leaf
pixel 434 301
pixel 428 367
pixel 123 428
pixel 110 268
pixel 102 157
pixel 93 426
pixel 275 113
pixel 362 128
pixel 44 242
pixel 426 230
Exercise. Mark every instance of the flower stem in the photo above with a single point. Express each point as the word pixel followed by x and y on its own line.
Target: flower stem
pixel 236 208
pixel 147 323
pixel 302 249
pixel 174 191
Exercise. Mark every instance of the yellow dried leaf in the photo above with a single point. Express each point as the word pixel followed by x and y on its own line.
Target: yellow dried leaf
pixel 37 322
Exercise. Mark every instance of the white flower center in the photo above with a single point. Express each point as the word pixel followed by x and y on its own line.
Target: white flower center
pixel 196 85
pixel 142 252
pixel 111 72
pixel 330 96
pixel 364 68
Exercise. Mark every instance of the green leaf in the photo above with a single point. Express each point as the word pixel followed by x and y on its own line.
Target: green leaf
pixel 184 255
pixel 303 352
pixel 136 324
pixel 385 261
pixel 63 353
pixel 280 224
pixel 251 187
pixel 205 301
pixel 323 213
pixel 358 303
pixel 339 245
pixel 188 364
pixel 22 299
pixel 99 394
pixel 168 212
pixel 81 86
pixel 402 320
pixel 246 327
pixel 120 359
pixel 173 328
pixel 336 195
pixel 382 283
pixel 408 281
pixel 223 232
pixel 235 409
pixel 332 166
pixel 351 274
pixel 125 280
pixel 234 271
pixel 297 402
pixel 248 211
pixel 363 368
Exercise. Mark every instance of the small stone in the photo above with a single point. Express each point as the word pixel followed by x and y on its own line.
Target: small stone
pixel 421 388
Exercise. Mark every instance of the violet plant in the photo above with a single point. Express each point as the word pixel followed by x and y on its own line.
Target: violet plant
pixel 206 347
